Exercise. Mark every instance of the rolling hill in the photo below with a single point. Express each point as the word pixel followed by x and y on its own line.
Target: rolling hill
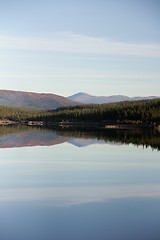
pixel 41 101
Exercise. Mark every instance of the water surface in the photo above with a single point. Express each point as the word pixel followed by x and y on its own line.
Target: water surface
pixel 79 185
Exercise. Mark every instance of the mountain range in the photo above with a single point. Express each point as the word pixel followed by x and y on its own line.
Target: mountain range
pixel 85 98
pixel 46 101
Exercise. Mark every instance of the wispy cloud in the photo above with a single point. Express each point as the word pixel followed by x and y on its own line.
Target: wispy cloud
pixel 63 73
pixel 74 43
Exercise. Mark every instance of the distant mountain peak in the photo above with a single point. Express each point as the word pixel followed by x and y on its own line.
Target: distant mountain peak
pixel 81 94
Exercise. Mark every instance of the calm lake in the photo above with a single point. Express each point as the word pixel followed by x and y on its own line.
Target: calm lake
pixel 80 185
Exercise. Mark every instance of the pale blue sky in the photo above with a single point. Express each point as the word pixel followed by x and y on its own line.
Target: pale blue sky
pixel 101 47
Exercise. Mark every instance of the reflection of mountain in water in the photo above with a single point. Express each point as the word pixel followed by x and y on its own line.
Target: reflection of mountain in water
pixel 81 142
pixel 22 136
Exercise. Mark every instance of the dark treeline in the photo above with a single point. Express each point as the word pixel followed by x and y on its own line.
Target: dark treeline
pixel 147 111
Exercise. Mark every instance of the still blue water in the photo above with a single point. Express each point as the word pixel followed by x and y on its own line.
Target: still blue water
pixel 78 189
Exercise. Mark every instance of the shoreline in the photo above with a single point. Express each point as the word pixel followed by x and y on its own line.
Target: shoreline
pixel 87 125
pixel 96 125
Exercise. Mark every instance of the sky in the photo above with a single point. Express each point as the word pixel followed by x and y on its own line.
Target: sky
pixel 101 47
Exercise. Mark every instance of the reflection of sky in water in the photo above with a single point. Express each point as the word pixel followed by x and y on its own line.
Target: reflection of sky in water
pixel 65 174
pixel 96 192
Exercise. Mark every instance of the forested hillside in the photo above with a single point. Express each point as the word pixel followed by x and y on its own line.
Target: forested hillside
pixel 147 111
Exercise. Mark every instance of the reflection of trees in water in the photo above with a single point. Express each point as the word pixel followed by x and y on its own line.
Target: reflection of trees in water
pixel 15 129
pixel 134 136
